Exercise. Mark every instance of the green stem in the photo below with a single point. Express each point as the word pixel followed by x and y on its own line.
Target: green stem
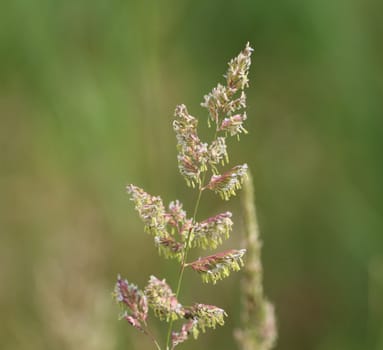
pixel 186 250
pixel 183 265
pixel 184 258
pixel 156 344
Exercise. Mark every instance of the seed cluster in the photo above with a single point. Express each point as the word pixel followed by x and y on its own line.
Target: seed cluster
pixel 173 231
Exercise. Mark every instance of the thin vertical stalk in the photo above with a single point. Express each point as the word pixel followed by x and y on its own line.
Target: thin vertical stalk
pixel 184 258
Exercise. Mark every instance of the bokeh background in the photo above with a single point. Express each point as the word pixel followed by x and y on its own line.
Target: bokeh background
pixel 87 94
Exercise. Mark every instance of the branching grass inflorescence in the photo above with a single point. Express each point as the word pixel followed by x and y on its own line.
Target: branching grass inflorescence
pixel 174 232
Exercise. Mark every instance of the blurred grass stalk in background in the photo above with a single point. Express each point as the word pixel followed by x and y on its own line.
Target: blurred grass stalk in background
pixel 258 330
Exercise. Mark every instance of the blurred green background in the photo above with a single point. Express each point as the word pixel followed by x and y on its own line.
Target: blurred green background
pixel 87 94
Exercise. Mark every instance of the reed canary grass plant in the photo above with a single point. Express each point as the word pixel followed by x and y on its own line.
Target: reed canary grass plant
pixel 175 233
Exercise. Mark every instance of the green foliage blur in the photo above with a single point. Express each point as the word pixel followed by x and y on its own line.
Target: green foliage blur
pixel 87 94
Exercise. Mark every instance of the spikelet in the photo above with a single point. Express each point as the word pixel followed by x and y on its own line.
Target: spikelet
pixel 200 317
pixel 237 74
pixel 151 210
pixel 207 316
pixel 133 302
pixel 211 232
pixel 169 248
pixel 226 184
pixel 177 220
pixel 234 124
pixel 218 266
pixel 217 154
pixel 162 300
pixel 175 216
pixel 192 153
pixel 188 328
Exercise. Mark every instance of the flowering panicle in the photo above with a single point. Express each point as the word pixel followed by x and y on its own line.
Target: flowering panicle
pixel 226 184
pixel 218 266
pixel 162 300
pixel 222 101
pixel 174 233
pixel 133 302
pixel 210 232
